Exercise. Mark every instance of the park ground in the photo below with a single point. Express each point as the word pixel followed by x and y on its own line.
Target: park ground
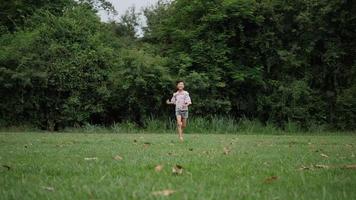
pixel 157 166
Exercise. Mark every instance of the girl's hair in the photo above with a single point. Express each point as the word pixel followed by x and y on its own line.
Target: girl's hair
pixel 179 81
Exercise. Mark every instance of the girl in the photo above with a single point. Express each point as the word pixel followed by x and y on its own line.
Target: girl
pixel 181 100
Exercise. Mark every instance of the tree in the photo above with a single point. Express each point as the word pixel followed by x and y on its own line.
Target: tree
pixel 46 89
pixel 278 61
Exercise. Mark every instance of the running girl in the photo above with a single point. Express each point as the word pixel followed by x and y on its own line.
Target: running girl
pixel 181 100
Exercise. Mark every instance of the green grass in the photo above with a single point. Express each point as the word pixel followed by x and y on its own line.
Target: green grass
pixel 40 162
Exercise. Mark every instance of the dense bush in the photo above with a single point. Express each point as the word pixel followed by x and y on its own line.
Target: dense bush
pixel 71 69
pixel 286 63
pixel 277 61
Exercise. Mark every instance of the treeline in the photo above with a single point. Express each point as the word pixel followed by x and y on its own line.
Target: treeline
pixel 268 60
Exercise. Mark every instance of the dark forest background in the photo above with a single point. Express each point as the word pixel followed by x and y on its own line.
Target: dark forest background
pixel 275 61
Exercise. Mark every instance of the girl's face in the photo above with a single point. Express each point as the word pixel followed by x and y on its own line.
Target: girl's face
pixel 180 86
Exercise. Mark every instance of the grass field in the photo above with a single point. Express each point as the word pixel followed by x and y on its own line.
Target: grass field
pixel 139 166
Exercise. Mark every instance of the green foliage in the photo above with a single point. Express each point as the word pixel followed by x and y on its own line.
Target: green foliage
pixel 139 85
pixel 278 61
pixel 279 64
pixel 55 72
pixel 128 24
pixel 13 14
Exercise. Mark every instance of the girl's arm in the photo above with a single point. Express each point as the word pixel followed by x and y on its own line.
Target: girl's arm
pixel 169 102
pixel 172 101
pixel 188 100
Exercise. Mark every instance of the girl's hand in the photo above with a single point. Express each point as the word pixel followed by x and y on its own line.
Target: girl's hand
pixel 168 101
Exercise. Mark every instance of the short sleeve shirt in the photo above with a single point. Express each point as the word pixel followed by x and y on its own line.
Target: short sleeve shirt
pixel 181 100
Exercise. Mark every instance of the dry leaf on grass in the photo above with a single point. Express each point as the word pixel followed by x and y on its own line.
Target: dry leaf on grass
pixel 48 188
pixel 266 163
pixel 117 157
pixel 93 158
pixel 226 151
pixel 321 166
pixel 304 168
pixel 146 144
pixel 271 179
pixel 172 154
pixel 324 155
pixel 177 169
pixel 353 166
pixel 167 192
pixel 158 168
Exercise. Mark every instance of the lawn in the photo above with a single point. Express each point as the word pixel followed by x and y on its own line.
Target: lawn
pixel 139 166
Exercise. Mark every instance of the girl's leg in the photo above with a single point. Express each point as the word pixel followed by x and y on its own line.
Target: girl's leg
pixel 184 124
pixel 179 127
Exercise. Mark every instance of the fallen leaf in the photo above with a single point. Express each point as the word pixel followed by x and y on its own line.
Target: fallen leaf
pixel 177 169
pixel 146 144
pixel 304 168
pixel 324 155
pixel 48 188
pixel 93 158
pixel 226 150
pixel 321 166
pixel 6 166
pixel 167 192
pixel 117 157
pixel 353 166
pixel 158 168
pixel 271 179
